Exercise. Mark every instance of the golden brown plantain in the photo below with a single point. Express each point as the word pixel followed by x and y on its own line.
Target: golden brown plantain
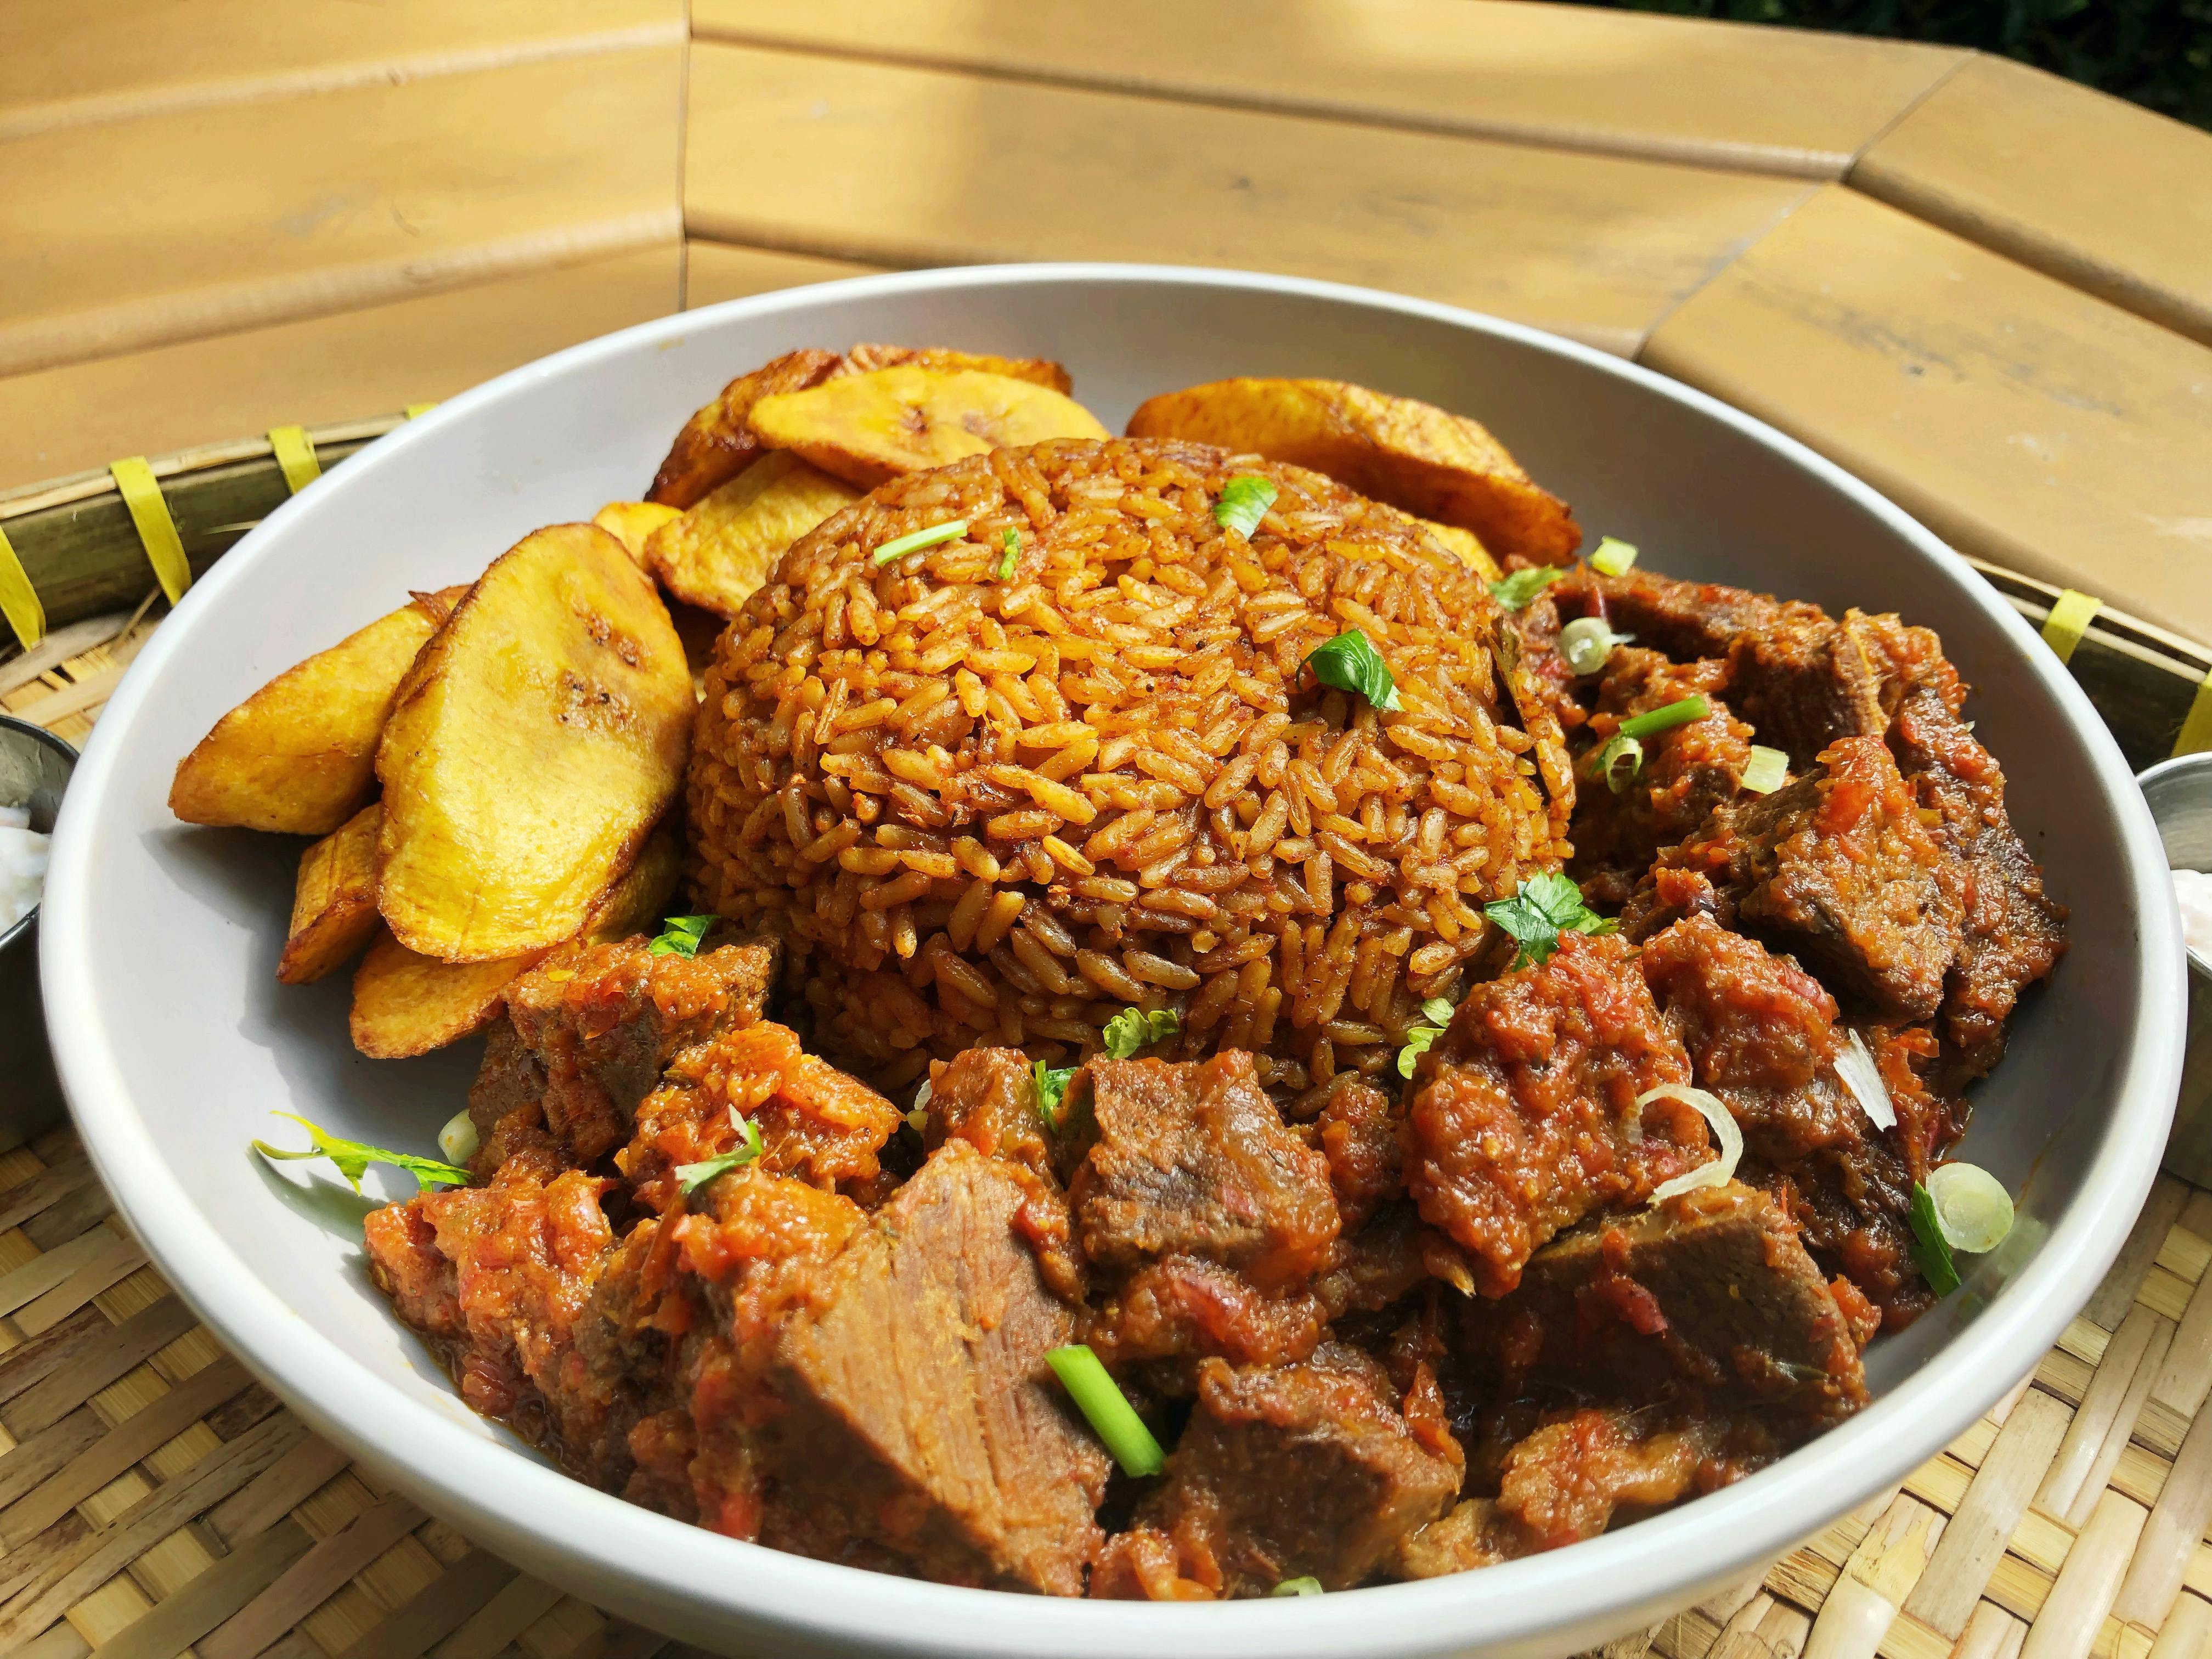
pixel 1039 371
pixel 716 553
pixel 299 755
pixel 334 902
pixel 1416 457
pixel 632 523
pixel 715 445
pixel 533 744
pixel 869 428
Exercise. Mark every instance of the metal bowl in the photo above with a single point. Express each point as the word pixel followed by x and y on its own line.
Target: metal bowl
pixel 2179 792
pixel 34 770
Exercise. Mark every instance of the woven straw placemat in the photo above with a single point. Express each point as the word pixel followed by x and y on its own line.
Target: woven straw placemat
pixel 154 1500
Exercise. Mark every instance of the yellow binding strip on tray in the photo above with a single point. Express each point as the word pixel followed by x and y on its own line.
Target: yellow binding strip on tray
pixel 157 531
pixel 2196 726
pixel 295 456
pixel 2067 621
pixel 19 600
pixel 415 410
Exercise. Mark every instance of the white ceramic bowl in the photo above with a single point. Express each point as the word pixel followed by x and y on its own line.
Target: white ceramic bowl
pixel 175 1042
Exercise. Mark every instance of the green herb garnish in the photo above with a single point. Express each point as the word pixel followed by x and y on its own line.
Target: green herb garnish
pixel 1930 1252
pixel 1680 712
pixel 693 1177
pixel 353 1157
pixel 1244 501
pixel 680 935
pixel 1611 556
pixel 914 540
pixel 1051 1089
pixel 1133 1029
pixel 1514 591
pixel 1350 662
pixel 1545 908
pixel 1436 1014
pixel 1107 1409
pixel 1013 545
pixel 1307 1586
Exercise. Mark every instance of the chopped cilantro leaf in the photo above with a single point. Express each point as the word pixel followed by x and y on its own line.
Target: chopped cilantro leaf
pixel 1244 501
pixel 680 935
pixel 353 1157
pixel 1350 662
pixel 1545 908
pixel 693 1177
pixel 1514 591
pixel 1051 1089
pixel 1931 1252
pixel 1133 1029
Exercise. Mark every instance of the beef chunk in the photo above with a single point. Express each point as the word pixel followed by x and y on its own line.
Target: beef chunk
pixel 1184 1306
pixel 922 1430
pixel 1708 1298
pixel 1358 1133
pixel 1523 1118
pixel 1837 867
pixel 1194 1160
pixel 1566 1480
pixel 814 1121
pixel 1298 1471
pixel 597 1022
pixel 1762 1035
pixel 1687 771
pixel 988 1097
pixel 2010 934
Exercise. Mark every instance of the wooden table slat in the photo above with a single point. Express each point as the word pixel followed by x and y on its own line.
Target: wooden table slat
pixel 1672 89
pixel 901 166
pixel 2100 193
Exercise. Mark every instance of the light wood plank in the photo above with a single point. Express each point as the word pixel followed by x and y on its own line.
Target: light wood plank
pixel 2041 428
pixel 714 272
pixel 119 237
pixel 907 167
pixel 1673 88
pixel 324 369
pixel 2098 192
pixel 116 59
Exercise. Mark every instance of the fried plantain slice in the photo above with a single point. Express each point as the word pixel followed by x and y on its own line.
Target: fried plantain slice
pixel 868 428
pixel 333 901
pixel 715 445
pixel 716 553
pixel 632 523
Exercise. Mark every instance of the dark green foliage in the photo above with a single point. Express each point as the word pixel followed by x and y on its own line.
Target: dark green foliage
pixel 2158 53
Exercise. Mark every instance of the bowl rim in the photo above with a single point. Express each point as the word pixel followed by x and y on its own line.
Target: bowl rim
pixel 2198 759
pixel 15 931
pixel 673 1572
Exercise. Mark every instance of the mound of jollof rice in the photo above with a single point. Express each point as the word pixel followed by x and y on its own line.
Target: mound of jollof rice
pixel 987 810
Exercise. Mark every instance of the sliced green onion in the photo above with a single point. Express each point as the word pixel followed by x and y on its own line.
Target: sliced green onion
pixel 1244 501
pixel 1766 771
pixel 1514 591
pixel 693 1177
pixel 1051 1087
pixel 1307 1586
pixel 1861 1075
pixel 1586 642
pixel 1107 1409
pixel 1133 1029
pixel 1728 1138
pixel 1680 712
pixel 914 540
pixel 1013 545
pixel 353 1157
pixel 1611 556
pixel 458 1139
pixel 1972 1209
pixel 1931 1253
pixel 680 936
pixel 1350 662
pixel 1617 760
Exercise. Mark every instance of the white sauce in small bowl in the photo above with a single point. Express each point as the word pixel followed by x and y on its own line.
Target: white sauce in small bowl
pixel 22 865
pixel 2192 891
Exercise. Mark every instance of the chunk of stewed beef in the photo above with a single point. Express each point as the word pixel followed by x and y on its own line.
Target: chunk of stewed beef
pixel 1687 771
pixel 1765 1036
pixel 923 1431
pixel 589 1030
pixel 988 1097
pixel 1524 1117
pixel 1297 1471
pixel 1837 867
pixel 1708 1298
pixel 1195 1161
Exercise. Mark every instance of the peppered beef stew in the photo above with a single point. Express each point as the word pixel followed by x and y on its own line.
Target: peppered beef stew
pixel 1613 1231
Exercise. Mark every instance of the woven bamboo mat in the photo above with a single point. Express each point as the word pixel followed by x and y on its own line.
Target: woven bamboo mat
pixel 155 1501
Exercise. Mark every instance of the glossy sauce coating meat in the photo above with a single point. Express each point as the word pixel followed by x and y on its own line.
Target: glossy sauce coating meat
pixel 1523 1117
